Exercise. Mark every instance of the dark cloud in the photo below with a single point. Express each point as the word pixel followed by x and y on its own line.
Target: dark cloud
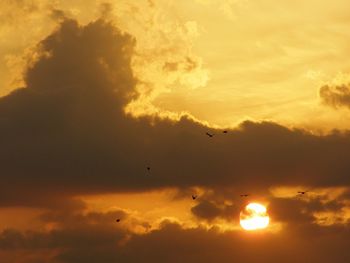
pixel 172 243
pixel 66 133
pixel 41 198
pixel 74 97
pixel 58 14
pixel 207 210
pixel 336 95
pixel 219 204
pixel 294 212
pixel 78 237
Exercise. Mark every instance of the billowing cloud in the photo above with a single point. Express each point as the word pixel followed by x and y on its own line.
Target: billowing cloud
pixel 66 132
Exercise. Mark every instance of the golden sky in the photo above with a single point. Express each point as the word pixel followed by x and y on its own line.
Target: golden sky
pixel 93 92
pixel 257 60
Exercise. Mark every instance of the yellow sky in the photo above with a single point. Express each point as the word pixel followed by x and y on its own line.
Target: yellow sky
pixel 254 59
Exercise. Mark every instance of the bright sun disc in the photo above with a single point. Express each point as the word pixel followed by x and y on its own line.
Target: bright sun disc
pixel 253 217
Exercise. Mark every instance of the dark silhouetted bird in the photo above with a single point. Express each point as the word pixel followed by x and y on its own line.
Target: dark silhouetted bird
pixel 244 195
pixel 211 135
pixel 194 197
pixel 302 192
pixel 118 220
pixel 148 168
pixel 225 131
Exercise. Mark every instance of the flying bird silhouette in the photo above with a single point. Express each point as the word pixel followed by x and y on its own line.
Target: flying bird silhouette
pixel 244 195
pixel 302 192
pixel 225 131
pixel 194 197
pixel 118 220
pixel 148 168
pixel 211 135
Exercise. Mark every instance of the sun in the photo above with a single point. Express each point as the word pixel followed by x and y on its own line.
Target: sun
pixel 253 217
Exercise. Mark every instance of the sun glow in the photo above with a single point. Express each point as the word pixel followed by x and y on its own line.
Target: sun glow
pixel 253 217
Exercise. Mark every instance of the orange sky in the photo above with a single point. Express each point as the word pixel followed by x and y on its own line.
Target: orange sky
pixel 92 92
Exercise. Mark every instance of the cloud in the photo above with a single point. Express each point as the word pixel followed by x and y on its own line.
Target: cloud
pixel 209 210
pixel 81 79
pixel 77 237
pixel 219 203
pixel 202 245
pixel 173 243
pixel 66 132
pixel 72 235
pixel 336 95
pixel 58 14
pixel 221 208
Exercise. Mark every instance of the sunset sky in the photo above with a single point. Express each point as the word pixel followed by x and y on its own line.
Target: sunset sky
pixel 107 111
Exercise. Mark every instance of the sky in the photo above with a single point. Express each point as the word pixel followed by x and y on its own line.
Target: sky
pixel 94 92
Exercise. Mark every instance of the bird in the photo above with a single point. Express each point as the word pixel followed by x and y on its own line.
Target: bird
pixel 194 197
pixel 148 168
pixel 118 220
pixel 209 134
pixel 244 195
pixel 225 131
pixel 302 192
